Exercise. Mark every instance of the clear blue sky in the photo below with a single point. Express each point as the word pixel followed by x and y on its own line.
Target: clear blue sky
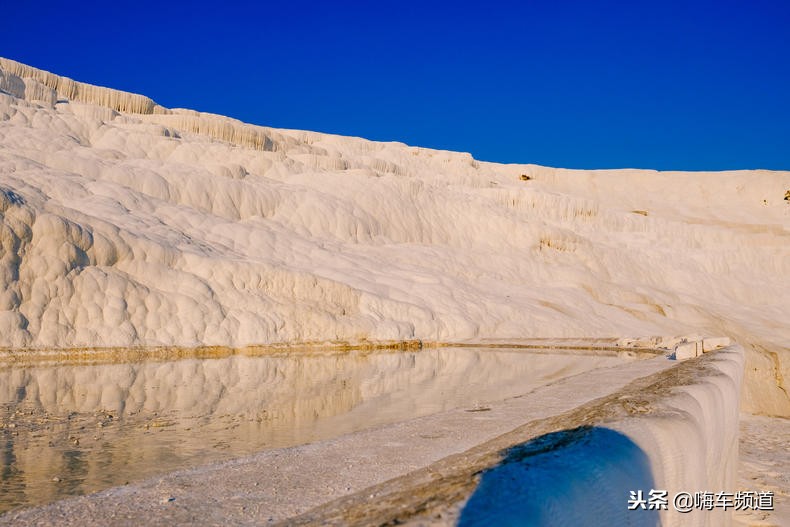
pixel 666 85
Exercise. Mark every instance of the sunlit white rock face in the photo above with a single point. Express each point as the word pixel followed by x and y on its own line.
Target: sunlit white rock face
pixel 126 223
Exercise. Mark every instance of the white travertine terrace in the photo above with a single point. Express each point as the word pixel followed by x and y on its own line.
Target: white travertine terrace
pixel 124 223
pixel 692 438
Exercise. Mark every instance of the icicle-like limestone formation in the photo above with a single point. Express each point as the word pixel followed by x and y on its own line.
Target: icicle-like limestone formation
pixel 79 91
pixel 217 127
pixel 34 84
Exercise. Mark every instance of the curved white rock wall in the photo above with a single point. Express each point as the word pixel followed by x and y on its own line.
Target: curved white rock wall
pixel 680 435
pixel 692 440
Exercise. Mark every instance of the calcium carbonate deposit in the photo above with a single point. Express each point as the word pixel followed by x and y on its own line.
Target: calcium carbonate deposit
pixel 124 223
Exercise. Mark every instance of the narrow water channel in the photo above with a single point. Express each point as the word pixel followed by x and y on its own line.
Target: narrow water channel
pixel 71 429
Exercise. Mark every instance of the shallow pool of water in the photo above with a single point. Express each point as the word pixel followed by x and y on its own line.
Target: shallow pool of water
pixel 70 429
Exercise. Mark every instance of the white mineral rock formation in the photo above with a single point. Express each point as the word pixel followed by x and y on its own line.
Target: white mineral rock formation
pixel 124 223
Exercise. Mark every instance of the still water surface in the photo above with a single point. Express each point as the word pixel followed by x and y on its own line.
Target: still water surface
pixel 70 429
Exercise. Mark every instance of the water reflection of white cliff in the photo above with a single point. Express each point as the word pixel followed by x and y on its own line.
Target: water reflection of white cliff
pixel 70 429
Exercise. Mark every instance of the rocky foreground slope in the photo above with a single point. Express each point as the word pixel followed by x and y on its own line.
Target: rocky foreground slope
pixel 124 223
